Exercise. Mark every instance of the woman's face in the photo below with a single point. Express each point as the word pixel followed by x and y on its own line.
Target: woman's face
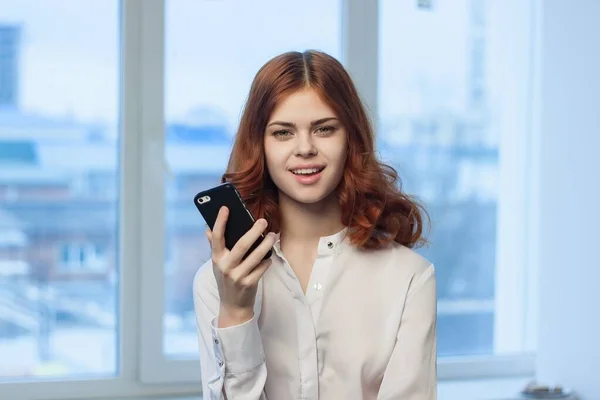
pixel 305 147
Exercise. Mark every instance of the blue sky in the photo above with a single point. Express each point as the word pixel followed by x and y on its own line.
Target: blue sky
pixel 214 47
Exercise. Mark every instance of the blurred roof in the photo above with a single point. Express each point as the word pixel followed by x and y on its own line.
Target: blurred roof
pixel 36 149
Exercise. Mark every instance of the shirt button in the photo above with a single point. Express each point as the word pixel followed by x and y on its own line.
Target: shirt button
pixel 318 286
pixel 216 340
pixel 220 363
pixel 330 245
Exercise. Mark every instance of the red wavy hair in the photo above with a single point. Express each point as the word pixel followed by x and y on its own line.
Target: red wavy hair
pixel 374 208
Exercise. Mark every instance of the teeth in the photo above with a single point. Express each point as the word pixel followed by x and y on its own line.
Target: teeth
pixel 305 171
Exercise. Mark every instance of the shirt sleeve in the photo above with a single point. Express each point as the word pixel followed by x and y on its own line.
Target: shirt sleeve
pixel 232 360
pixel 411 373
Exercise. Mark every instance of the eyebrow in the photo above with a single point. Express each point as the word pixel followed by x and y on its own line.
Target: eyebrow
pixel 312 124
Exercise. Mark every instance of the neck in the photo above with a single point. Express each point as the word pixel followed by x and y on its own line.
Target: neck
pixel 307 223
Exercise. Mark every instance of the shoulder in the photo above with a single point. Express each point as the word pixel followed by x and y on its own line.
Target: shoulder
pixel 396 257
pixel 395 265
pixel 408 259
pixel 419 271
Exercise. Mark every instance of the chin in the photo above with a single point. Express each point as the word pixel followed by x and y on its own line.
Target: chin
pixel 308 199
pixel 308 195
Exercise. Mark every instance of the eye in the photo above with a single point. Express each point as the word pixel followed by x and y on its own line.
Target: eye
pixel 282 134
pixel 325 130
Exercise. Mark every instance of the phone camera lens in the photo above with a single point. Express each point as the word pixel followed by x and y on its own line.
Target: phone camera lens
pixel 203 199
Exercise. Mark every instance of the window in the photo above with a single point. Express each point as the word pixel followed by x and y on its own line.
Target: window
pixel 457 134
pixel 114 114
pixel 58 113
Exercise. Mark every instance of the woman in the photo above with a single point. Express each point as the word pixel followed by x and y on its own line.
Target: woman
pixel 343 309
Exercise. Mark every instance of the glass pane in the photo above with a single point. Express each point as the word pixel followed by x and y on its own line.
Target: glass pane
pixel 214 48
pixel 437 103
pixel 59 68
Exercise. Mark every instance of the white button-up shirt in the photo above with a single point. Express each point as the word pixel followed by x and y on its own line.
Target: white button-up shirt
pixel 365 329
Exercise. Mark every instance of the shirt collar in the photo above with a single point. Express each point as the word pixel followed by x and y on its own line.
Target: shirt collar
pixel 327 244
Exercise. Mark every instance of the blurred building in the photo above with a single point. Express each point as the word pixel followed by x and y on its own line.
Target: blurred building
pixel 59 206
pixel 10 38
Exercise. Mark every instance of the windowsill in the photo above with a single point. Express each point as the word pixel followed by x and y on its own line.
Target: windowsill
pixel 481 389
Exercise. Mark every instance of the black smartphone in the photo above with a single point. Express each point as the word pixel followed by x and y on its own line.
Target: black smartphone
pixel 239 221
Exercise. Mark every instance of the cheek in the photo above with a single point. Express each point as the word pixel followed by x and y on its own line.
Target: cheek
pixel 268 154
pixel 270 165
pixel 338 154
pixel 275 159
pixel 343 155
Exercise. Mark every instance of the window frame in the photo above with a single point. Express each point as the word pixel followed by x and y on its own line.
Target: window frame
pixel 516 273
pixel 142 366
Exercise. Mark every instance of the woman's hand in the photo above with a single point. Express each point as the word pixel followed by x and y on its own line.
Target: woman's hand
pixel 237 280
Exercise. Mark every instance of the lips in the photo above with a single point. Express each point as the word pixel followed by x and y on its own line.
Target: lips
pixel 307 174
pixel 307 170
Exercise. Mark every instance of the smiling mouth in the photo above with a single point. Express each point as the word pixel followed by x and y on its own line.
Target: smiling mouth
pixel 307 171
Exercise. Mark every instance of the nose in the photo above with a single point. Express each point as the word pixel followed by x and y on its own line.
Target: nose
pixel 305 146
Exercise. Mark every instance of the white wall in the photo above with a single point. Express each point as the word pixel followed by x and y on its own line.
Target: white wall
pixel 569 320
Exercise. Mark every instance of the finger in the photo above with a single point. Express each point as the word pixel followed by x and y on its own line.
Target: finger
pixel 254 276
pixel 246 241
pixel 257 255
pixel 208 234
pixel 218 232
